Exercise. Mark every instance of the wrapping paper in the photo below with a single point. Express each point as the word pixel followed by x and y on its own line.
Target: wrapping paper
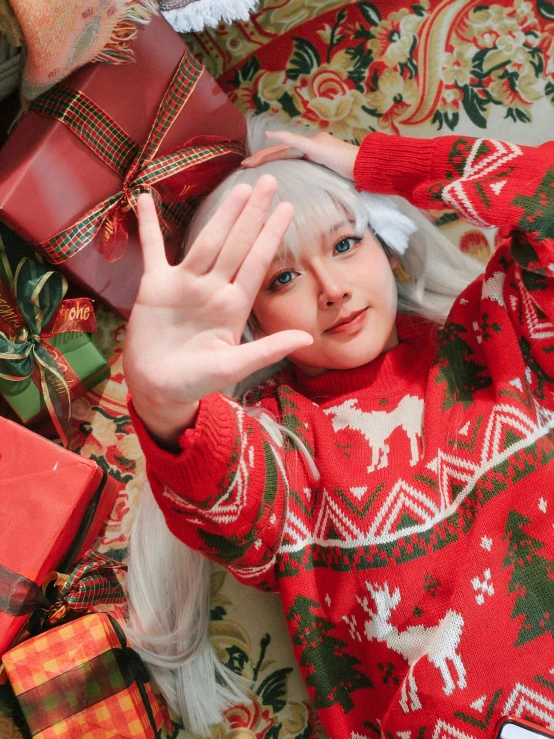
pixel 44 163
pixel 53 504
pixel 81 679
pixel 84 358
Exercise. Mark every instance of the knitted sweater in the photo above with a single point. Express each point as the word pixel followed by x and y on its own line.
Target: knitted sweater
pixel 417 575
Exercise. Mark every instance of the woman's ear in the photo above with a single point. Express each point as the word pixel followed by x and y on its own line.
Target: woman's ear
pixel 394 260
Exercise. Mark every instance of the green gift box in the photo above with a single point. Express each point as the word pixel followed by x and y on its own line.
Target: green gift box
pixel 47 358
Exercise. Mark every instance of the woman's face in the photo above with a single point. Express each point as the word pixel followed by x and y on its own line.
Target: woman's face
pixel 338 276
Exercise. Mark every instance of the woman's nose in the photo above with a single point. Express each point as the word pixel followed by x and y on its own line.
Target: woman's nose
pixel 332 288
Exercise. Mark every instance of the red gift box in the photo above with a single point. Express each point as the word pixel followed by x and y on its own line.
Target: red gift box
pixel 52 506
pixel 50 178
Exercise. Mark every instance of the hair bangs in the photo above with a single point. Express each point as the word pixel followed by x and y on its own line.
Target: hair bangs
pixel 322 201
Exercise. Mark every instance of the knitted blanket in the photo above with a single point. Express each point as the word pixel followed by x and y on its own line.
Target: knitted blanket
pixel 434 67
pixel 61 36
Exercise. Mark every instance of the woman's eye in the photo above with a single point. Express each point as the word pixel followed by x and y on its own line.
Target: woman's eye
pixel 345 245
pixel 283 278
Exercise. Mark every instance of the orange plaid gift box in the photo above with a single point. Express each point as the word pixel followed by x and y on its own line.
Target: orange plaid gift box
pixel 82 680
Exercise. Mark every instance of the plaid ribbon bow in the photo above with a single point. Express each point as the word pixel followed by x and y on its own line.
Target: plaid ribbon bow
pixel 172 179
pixel 91 582
pixel 32 310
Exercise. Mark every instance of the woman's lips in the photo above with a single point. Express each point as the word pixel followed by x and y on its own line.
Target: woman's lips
pixel 352 325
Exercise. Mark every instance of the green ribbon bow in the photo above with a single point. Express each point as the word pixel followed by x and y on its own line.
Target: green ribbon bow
pixel 36 293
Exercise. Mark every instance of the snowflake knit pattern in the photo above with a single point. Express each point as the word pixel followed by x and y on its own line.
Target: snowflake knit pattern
pixel 417 575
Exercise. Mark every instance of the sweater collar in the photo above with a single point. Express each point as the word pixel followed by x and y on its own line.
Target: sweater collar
pixel 391 371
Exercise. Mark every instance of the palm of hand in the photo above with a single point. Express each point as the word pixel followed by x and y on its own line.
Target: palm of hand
pixel 184 333
pixel 179 315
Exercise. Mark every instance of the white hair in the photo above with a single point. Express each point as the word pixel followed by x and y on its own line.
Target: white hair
pixel 168 583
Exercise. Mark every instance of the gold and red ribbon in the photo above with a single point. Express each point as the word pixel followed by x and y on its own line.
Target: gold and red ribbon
pixel 32 311
pixel 173 179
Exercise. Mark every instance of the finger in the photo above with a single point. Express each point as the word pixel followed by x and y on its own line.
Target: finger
pixel 203 253
pixel 306 144
pixel 271 154
pixel 151 238
pixel 246 229
pixel 255 355
pixel 256 264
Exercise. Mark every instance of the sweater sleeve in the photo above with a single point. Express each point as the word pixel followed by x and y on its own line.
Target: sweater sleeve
pixel 487 182
pixel 224 492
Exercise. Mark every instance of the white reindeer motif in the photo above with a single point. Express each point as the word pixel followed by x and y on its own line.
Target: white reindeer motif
pixel 377 426
pixel 439 643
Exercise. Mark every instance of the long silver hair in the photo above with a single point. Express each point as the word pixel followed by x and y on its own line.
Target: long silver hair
pixel 168 583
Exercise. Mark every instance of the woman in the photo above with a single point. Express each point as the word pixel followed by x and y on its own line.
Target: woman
pixel 402 516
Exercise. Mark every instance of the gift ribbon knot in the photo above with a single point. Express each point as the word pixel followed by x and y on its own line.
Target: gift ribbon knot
pixel 173 179
pixel 32 311
pixel 91 582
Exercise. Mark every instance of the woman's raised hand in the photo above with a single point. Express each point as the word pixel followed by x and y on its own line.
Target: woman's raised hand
pixel 184 333
pixel 321 148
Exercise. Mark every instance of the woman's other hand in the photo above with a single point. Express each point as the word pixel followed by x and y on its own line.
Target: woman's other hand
pixel 321 148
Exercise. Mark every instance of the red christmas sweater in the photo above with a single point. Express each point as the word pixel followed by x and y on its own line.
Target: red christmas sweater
pixel 417 575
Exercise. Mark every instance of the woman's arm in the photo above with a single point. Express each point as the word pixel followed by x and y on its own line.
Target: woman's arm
pixel 487 182
pixel 224 491
pixel 183 347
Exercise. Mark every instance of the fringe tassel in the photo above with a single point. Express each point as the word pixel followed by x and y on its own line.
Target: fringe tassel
pixel 118 49
pixel 9 25
pixel 199 14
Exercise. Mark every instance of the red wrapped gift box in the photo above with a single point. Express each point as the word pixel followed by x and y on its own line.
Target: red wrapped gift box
pixel 82 680
pixel 52 506
pixel 50 179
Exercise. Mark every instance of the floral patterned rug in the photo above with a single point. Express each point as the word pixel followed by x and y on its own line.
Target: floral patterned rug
pixel 424 69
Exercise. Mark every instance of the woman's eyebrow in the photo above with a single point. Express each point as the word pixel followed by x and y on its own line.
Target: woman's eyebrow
pixel 278 258
pixel 346 223
pixel 341 224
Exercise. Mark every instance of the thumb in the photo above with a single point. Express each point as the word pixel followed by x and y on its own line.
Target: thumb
pixel 271 154
pixel 304 144
pixel 255 355
pixel 332 152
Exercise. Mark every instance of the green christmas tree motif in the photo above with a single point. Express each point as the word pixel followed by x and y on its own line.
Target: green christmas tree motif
pixel 292 420
pixel 330 669
pixel 532 580
pixel 541 376
pixel 538 215
pixel 463 376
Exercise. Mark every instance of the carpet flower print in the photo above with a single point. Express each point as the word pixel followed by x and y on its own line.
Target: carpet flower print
pixel 356 67
pixel 270 714
pixel 496 56
pixel 365 71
